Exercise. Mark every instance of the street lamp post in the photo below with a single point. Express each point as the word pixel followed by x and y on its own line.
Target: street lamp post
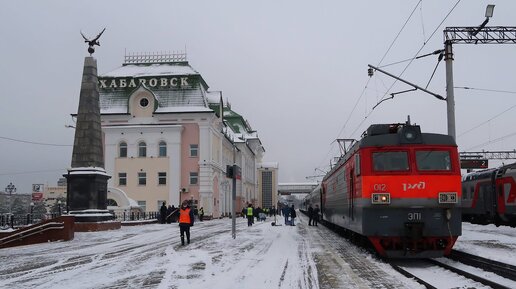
pixel 31 212
pixel 59 206
pixel 10 189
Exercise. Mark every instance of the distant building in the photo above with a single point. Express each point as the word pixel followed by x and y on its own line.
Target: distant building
pixel 267 185
pixel 52 195
pixel 168 138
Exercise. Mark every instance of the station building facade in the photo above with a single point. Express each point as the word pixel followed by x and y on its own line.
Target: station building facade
pixel 167 138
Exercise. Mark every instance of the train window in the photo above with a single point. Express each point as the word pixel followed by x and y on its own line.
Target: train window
pixel 433 160
pixel 390 161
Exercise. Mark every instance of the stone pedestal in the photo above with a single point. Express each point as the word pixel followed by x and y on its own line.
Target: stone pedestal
pixel 87 194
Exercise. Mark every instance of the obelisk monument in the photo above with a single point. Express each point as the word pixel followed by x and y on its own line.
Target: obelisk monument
pixel 87 178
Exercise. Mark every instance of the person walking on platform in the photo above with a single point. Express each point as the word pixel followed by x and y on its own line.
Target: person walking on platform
pixel 310 214
pixel 292 215
pixel 250 215
pixel 163 213
pixel 170 210
pixel 286 213
pixel 186 220
pixel 201 213
pixel 316 215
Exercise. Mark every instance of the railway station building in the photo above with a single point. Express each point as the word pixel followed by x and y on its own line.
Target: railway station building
pixel 168 138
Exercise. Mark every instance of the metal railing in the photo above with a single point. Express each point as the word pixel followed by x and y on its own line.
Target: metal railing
pixel 136 216
pixel 21 220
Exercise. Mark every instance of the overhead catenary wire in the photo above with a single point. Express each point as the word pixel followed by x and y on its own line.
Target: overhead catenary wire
pixel 381 60
pixel 424 44
pixel 491 141
pixel 413 58
pixel 485 89
pixel 32 172
pixel 35 143
pixel 379 63
pixel 491 118
pixel 399 32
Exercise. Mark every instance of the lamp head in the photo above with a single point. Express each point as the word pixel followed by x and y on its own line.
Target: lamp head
pixel 489 10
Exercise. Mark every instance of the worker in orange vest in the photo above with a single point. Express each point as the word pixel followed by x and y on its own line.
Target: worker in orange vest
pixel 186 220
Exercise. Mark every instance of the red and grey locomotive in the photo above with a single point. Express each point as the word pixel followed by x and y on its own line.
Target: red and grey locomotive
pixel 398 188
pixel 489 196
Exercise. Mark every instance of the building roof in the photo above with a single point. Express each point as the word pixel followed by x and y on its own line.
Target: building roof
pixel 176 86
pixel 155 69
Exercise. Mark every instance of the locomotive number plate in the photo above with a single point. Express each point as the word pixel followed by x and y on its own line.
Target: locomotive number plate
pixel 416 216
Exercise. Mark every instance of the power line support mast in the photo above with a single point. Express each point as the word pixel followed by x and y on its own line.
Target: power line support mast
pixel 470 35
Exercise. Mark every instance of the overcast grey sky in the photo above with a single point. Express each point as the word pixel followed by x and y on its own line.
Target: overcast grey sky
pixel 293 69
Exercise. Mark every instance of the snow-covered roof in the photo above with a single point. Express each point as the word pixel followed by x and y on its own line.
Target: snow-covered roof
pixel 274 165
pixel 144 70
pixel 213 96
pixel 188 94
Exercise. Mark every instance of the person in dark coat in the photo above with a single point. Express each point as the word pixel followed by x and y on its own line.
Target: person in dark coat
pixel 286 213
pixel 316 215
pixel 186 220
pixel 310 214
pixel 292 215
pixel 170 210
pixel 163 213
pixel 201 213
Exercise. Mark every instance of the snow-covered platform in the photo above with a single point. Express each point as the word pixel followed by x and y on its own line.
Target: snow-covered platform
pixel 261 256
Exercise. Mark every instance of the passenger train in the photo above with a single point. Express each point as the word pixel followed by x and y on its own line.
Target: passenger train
pixel 398 189
pixel 489 196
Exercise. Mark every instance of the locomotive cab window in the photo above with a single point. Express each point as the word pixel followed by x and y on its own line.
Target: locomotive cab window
pixel 433 160
pixel 390 161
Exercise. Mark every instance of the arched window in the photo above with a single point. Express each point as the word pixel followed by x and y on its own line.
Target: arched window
pixel 162 149
pixel 122 150
pixel 111 202
pixel 142 149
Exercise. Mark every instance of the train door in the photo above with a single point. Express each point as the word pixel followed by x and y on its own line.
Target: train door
pixel 351 195
pixel 487 191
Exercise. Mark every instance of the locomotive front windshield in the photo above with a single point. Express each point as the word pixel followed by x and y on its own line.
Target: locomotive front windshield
pixel 433 160
pixel 390 161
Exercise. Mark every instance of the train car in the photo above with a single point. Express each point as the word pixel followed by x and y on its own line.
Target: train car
pixel 313 198
pixel 489 196
pixel 398 188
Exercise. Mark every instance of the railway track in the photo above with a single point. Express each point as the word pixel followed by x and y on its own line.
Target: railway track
pixel 433 273
pixel 505 270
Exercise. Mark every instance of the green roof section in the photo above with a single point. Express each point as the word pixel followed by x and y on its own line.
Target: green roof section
pixel 237 123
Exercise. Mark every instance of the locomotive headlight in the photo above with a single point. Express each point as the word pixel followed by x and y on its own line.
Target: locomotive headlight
pixel 380 198
pixel 409 135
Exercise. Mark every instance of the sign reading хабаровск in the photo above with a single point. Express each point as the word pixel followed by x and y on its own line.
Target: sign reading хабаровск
pixel 158 82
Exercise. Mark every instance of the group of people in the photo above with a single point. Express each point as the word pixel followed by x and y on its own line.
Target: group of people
pixel 313 215
pixel 260 214
pixel 170 214
pixel 290 215
pixel 185 216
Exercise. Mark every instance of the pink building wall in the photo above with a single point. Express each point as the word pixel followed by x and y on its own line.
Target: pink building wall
pixel 190 135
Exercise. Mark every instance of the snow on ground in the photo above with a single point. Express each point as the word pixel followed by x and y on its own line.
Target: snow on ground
pixel 261 256
pixel 488 241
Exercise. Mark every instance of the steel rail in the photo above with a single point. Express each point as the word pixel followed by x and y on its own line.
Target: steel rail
pixel 505 270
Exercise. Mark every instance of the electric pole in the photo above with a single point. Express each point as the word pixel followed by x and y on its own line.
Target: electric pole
pixel 470 35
